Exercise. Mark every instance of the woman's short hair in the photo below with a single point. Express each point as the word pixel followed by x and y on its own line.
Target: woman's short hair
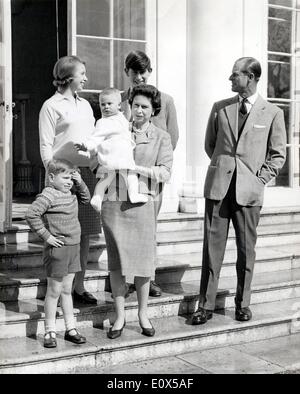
pixel 149 91
pixel 57 166
pixel 63 70
pixel 138 61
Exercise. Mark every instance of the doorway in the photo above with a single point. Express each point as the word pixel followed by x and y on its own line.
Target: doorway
pixel 39 37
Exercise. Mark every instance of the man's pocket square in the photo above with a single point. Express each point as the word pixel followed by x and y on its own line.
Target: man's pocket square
pixel 259 126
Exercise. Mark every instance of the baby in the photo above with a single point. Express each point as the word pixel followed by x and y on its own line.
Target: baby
pixel 111 143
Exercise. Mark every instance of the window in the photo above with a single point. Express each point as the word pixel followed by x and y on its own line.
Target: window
pixel 284 79
pixel 103 33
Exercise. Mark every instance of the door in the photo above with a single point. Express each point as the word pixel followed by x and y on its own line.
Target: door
pixel 5 116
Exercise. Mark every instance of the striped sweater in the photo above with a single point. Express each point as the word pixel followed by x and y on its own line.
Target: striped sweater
pixel 56 213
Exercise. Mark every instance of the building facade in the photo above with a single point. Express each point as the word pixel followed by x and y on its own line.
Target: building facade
pixel 192 44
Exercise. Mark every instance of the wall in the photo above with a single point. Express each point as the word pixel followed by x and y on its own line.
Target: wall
pixel 219 32
pixel 171 78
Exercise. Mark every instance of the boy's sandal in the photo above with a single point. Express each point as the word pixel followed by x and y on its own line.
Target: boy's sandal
pixel 50 339
pixel 77 338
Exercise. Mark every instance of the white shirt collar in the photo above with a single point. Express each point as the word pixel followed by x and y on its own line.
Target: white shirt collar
pixel 58 96
pixel 251 99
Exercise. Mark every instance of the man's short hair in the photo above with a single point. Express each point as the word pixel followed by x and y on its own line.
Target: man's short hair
pixel 251 65
pixel 138 61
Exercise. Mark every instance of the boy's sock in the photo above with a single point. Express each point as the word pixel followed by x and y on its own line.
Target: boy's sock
pixel 50 325
pixel 69 322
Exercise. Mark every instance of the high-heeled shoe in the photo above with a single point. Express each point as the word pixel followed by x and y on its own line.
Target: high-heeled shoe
pixel 113 334
pixel 148 332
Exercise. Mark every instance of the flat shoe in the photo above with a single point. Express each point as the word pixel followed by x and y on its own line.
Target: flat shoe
pixel 49 340
pixel 243 314
pixel 201 316
pixel 78 339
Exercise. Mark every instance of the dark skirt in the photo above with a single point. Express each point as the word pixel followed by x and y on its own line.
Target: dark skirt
pixel 130 236
pixel 89 219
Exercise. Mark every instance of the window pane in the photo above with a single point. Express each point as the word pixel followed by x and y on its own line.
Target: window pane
pixel 1 175
pixel 129 19
pixel 121 50
pixel 287 3
pixel 286 108
pixel 280 30
pixel 297 79
pixel 93 17
pixel 1 100
pixel 93 99
pixel 283 178
pixel 95 53
pixel 279 80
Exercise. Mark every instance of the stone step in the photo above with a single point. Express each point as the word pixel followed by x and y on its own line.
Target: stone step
pixel 28 283
pixel 174 335
pixel 26 317
pixel 22 255
pixel 20 231
pixel 167 222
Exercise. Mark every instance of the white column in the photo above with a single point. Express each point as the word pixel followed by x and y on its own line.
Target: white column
pixel 219 32
pixel 171 79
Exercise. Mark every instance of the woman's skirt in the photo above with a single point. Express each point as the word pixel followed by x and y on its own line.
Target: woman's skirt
pixel 89 219
pixel 130 236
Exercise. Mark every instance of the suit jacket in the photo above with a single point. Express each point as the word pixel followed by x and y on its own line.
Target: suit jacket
pixel 257 156
pixel 165 120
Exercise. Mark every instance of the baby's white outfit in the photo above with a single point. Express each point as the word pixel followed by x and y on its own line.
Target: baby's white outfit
pixel 111 143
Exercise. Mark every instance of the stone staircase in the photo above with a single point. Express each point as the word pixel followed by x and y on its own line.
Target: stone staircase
pixel 275 297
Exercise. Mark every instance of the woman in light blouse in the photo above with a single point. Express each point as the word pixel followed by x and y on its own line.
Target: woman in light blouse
pixel 65 118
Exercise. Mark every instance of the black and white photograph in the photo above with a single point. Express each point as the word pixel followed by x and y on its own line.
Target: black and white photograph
pixel 150 190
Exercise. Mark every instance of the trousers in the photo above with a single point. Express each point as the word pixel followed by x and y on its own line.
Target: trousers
pixel 245 220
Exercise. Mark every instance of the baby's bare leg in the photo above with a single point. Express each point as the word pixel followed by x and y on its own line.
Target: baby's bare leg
pixel 101 186
pixel 133 188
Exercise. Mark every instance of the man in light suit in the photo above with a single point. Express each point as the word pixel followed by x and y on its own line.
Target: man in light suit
pixel 246 142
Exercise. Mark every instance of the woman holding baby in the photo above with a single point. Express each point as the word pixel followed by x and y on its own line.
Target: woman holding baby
pixel 130 229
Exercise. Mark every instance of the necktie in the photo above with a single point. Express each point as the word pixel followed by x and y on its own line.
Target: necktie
pixel 243 108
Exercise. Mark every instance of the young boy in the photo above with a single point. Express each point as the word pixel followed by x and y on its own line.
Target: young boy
pixel 54 217
pixel 111 143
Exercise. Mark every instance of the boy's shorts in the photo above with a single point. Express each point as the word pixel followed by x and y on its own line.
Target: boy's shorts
pixel 60 262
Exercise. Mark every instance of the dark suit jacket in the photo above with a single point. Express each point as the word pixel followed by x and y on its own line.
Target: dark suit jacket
pixel 257 156
pixel 165 120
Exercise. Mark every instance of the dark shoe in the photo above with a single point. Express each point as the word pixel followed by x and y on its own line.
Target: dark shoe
pixel 131 288
pixel 50 339
pixel 201 316
pixel 243 314
pixel 113 334
pixel 154 290
pixel 149 332
pixel 77 338
pixel 84 298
